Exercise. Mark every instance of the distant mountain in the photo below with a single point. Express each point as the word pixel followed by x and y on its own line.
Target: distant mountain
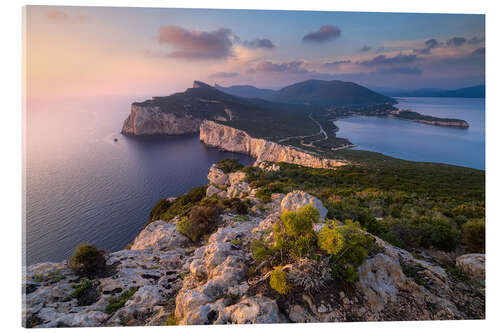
pixel 314 92
pixel 467 92
pixel 246 91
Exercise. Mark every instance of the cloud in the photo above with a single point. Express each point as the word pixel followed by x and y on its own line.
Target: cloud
pixel 400 70
pixel 429 45
pixel 224 75
pixel 336 64
pixel 384 60
pixel 259 43
pixel 192 44
pixel 57 15
pixel 324 34
pixel 366 48
pixel 285 67
pixel 456 41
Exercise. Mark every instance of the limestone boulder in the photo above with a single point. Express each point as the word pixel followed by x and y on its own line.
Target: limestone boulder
pixel 298 199
pixel 217 176
pixel 473 265
pixel 160 235
pixel 252 310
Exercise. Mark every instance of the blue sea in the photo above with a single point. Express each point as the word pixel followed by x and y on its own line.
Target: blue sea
pixel 420 142
pixel 83 186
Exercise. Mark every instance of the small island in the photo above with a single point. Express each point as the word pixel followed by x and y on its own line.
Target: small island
pixel 420 118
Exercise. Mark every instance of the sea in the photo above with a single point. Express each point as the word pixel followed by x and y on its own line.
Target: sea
pixel 85 182
pixel 421 142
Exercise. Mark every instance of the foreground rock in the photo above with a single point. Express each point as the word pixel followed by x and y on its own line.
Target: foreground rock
pixel 151 267
pixel 473 265
pixel 215 282
pixel 297 199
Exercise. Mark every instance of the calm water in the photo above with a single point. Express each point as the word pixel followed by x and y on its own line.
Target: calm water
pixel 419 142
pixel 84 186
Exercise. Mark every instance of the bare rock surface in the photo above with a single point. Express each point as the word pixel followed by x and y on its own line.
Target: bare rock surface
pixel 473 265
pixel 217 176
pixel 297 199
pixel 161 235
pixel 149 120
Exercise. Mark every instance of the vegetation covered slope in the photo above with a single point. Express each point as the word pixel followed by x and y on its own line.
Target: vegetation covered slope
pixel 410 204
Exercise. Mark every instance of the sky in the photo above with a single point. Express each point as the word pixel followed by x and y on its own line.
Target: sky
pixel 113 51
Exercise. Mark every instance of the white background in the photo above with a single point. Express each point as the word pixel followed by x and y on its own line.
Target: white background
pixel 11 157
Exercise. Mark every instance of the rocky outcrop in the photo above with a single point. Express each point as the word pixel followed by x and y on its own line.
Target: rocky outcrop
pixel 235 140
pixel 214 292
pixel 217 176
pixel 297 199
pixel 473 265
pixel 231 185
pixel 161 235
pixel 151 120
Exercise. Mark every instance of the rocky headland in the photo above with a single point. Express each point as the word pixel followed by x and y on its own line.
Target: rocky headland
pixel 150 120
pixel 164 277
pixel 235 140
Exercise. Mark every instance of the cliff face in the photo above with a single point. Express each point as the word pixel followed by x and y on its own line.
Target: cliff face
pixel 149 120
pixel 235 140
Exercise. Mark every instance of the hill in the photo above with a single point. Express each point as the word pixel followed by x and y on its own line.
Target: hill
pixel 315 92
pixel 246 91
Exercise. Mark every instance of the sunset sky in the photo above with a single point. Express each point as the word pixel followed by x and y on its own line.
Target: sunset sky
pixel 93 51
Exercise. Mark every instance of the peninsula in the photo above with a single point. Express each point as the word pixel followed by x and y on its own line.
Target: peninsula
pixel 294 124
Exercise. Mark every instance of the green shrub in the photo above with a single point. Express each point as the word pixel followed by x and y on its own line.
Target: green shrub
pixel 81 288
pixel 264 193
pixel 87 260
pixel 117 303
pixel 228 165
pixel 350 274
pixel 164 210
pixel 201 221
pixel 85 292
pixel 355 249
pixel 171 320
pixel 300 222
pixel 238 206
pixel 474 234
pixel 303 245
pixel 330 240
pixel 160 208
pixel 236 241
pixel 278 281
pixel 469 210
pixel 260 251
pixel 438 232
